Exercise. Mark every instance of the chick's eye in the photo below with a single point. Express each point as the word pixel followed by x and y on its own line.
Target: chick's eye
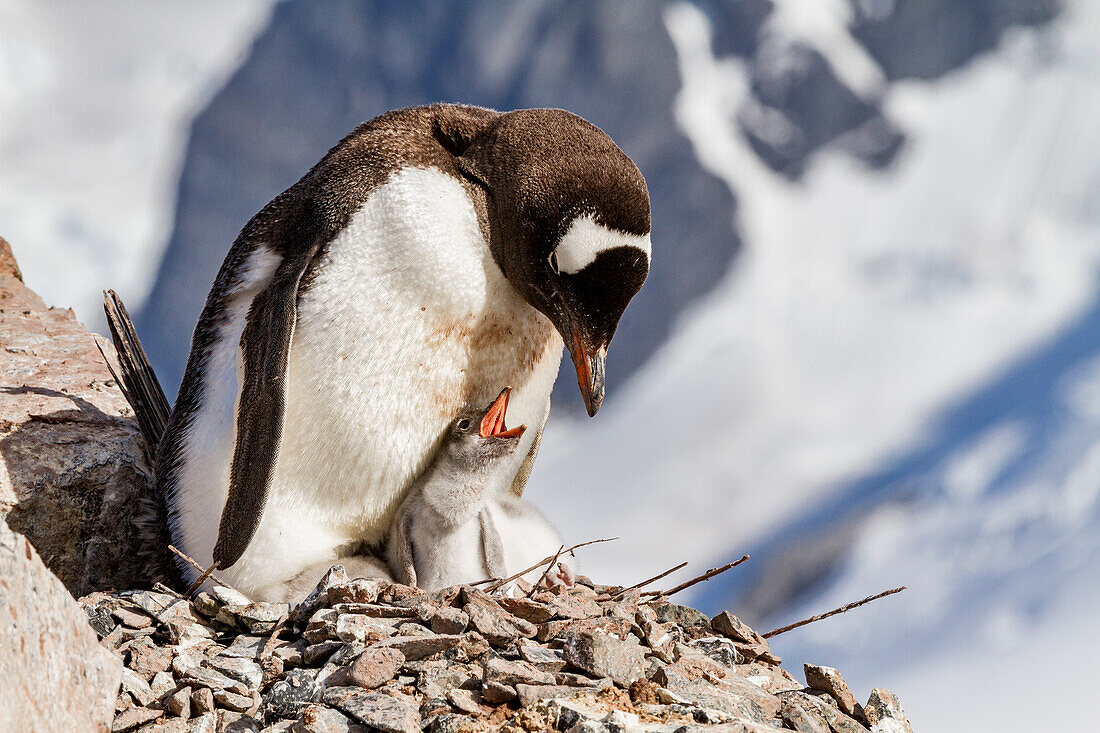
pixel 463 424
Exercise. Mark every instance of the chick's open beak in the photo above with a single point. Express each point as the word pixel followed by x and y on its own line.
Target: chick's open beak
pixel 589 362
pixel 492 425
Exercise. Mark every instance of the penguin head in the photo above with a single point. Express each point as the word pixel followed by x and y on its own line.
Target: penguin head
pixel 478 437
pixel 568 216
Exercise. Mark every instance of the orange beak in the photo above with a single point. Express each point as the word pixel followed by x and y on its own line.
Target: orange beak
pixel 492 425
pixel 590 371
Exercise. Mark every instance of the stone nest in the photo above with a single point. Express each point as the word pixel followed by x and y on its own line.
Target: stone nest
pixel 367 655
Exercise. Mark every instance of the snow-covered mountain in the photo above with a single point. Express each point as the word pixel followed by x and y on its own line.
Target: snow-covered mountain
pixel 95 103
pixel 898 383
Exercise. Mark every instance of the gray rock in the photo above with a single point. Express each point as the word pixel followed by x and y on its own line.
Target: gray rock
pixel 233 701
pixel 290 696
pixel 246 647
pixel 378 610
pixel 374 667
pixel 733 696
pixel 360 627
pixel 496 693
pixel 442 677
pixel 602 655
pixel 419 647
pixel 730 626
pixel 206 677
pixel 828 679
pixel 245 671
pixel 359 590
pixel 205 723
pixel 319 596
pixel 231 721
pixel 576 606
pixel 548 660
pixel 820 707
pixel 532 694
pixel 321 719
pixel 259 618
pixel 148 659
pixel 453 723
pixel 101 620
pixel 493 622
pixel 316 654
pixel 468 701
pixel 374 708
pixel 127 720
pixel 579 680
pixel 680 615
pixel 229 596
pixel 73 471
pixel 136 685
pixel 178 702
pixel 162 682
pixel 505 672
pixel 448 620
pixel 720 650
pixel 413 628
pixel 202 701
pixel 206 604
pixel 802 716
pixel 885 714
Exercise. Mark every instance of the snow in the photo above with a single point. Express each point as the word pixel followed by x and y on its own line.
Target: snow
pixel 904 359
pixel 95 104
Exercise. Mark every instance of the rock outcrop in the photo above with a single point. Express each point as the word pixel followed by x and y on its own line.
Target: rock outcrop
pixel 54 676
pixel 72 467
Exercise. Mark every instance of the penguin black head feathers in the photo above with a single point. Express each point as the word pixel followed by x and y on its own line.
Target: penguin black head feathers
pixel 569 222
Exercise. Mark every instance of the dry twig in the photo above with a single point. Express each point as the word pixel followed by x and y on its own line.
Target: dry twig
pixel 834 612
pixel 536 566
pixel 270 645
pixel 205 572
pixel 697 579
pixel 546 573
pixel 647 581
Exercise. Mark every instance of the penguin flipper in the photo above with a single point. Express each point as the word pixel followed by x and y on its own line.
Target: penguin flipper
pixel 492 546
pixel 261 405
pixel 401 561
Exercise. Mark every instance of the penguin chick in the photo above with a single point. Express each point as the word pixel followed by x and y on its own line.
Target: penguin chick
pixel 459 523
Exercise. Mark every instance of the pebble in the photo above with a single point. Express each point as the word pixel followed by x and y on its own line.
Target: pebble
pixel 375 667
pixel 380 711
pixel 885 714
pixel 827 679
pixel 602 655
pixel 449 620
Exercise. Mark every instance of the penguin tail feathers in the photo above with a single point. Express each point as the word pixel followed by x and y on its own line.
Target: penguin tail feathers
pixel 137 380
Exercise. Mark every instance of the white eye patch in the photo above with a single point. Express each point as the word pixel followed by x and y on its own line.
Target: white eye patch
pixel 585 239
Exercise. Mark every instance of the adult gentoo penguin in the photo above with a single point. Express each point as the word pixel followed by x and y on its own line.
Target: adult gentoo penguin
pixel 433 256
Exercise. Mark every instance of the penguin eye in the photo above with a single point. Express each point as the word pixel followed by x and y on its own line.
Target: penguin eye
pixel 463 424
